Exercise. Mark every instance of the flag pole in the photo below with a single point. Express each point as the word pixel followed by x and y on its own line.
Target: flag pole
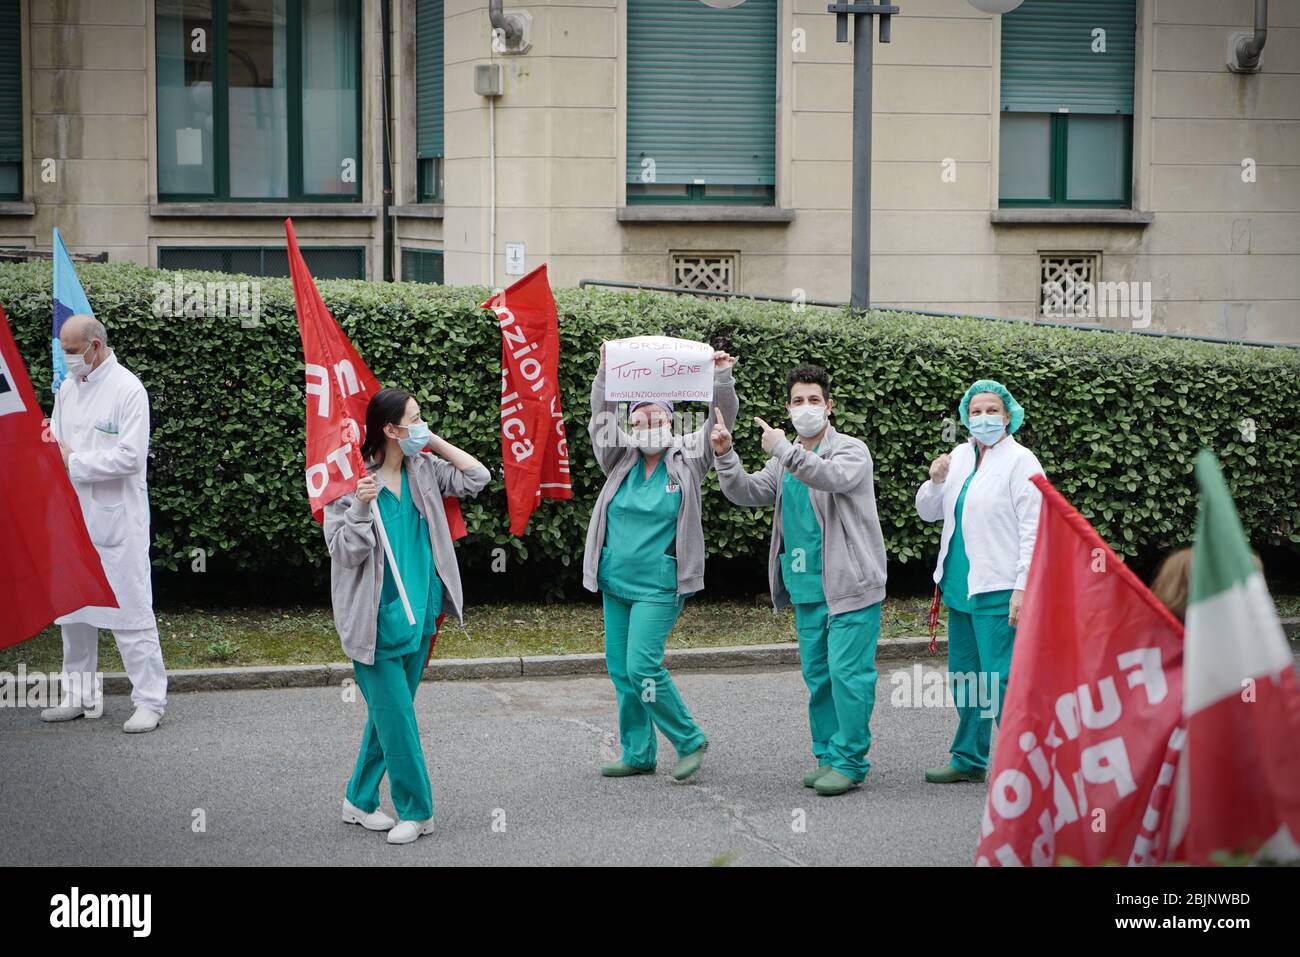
pixel 392 563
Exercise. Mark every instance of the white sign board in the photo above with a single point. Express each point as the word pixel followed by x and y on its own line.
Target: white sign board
pixel 514 259
pixel 658 367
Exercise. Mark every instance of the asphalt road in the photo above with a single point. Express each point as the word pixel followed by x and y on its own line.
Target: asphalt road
pixel 514 771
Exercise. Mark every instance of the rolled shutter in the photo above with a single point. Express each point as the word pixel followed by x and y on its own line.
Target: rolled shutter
pixel 11 85
pixel 701 92
pixel 1048 63
pixel 428 79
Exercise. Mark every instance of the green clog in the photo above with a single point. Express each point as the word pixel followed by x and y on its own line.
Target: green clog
pixel 832 783
pixel 950 775
pixel 811 777
pixel 617 769
pixel 688 764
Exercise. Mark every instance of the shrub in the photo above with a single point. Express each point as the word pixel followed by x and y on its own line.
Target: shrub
pixel 1115 419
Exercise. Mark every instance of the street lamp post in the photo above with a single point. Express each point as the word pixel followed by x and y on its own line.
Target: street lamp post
pixel 860 243
pixel 863 14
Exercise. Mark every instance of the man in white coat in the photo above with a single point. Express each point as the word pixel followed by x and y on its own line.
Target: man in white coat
pixel 101 421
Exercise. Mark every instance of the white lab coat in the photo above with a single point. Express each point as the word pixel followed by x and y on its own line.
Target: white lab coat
pixel 1000 517
pixel 104 419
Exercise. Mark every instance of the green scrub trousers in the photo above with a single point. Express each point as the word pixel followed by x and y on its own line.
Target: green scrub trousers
pixel 979 650
pixel 837 653
pixel 391 740
pixel 638 581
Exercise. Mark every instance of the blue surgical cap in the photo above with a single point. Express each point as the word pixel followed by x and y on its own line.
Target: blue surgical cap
pixel 998 389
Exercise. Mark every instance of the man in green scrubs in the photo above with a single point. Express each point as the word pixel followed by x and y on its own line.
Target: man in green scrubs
pixel 391 740
pixel 828 560
pixel 830 646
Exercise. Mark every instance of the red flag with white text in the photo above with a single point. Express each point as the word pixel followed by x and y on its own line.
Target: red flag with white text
pixel 1090 728
pixel 534 449
pixel 48 564
pixel 339 387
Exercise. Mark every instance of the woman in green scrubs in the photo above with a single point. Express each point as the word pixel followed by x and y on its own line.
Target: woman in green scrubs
pixel 407 485
pixel 645 554
pixel 982 493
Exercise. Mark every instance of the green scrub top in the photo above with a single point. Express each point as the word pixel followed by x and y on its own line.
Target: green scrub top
pixel 800 530
pixel 956 570
pixel 408 535
pixel 638 562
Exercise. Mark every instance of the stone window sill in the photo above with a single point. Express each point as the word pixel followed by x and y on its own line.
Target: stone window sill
pixel 1075 216
pixel 417 211
pixel 265 210
pixel 703 214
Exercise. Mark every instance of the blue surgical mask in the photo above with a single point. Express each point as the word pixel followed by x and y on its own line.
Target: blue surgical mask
pixel 987 428
pixel 417 438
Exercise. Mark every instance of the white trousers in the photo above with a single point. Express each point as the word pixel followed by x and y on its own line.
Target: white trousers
pixel 141 655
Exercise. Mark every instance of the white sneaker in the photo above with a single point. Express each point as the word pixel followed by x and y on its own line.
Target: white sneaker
pixel 376 820
pixel 144 719
pixel 407 831
pixel 63 713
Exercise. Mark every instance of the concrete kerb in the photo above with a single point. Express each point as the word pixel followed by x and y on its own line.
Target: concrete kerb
pixel 779 655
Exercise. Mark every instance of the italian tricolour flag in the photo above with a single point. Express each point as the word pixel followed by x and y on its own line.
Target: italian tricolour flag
pixel 1237 788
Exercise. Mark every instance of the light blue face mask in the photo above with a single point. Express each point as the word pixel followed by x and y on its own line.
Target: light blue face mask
pixel 417 438
pixel 987 428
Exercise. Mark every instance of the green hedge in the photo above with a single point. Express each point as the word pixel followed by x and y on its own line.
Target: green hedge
pixel 1115 419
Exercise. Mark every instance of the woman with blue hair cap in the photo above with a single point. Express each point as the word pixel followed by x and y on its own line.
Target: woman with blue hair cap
pixel 981 491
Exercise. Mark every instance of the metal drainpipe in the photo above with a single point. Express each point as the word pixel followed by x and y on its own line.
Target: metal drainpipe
pixel 509 29
pixel 1249 48
pixel 387 226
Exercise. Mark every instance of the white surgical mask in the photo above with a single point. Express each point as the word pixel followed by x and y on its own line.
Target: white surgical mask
pixel 77 364
pixel 989 429
pixel 652 440
pixel 808 420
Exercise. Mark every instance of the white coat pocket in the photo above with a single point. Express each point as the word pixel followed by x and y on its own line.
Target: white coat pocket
pixel 106 518
pixel 107 525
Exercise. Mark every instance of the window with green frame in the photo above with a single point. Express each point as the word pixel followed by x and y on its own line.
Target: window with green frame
pixel 259 99
pixel 422 265
pixel 11 103
pixel 428 101
pixel 701 102
pixel 325 262
pixel 1066 136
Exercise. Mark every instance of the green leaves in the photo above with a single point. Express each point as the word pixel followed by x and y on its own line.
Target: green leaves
pixel 1115 419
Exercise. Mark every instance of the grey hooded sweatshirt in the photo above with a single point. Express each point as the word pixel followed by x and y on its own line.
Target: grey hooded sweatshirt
pixel 843 495
pixel 688 461
pixel 357 557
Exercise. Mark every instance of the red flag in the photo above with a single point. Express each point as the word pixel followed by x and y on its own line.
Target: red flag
pixel 48 565
pixel 342 386
pixel 1090 727
pixel 534 450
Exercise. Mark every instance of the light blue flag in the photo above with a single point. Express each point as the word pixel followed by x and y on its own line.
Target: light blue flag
pixel 69 300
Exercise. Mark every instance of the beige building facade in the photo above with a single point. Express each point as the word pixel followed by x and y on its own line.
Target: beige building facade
pixel 1208 226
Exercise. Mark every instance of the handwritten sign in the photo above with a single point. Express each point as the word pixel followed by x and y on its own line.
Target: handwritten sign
pixel 658 367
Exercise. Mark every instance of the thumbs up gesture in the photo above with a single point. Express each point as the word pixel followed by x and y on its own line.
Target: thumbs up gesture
pixel 771 437
pixel 720 437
